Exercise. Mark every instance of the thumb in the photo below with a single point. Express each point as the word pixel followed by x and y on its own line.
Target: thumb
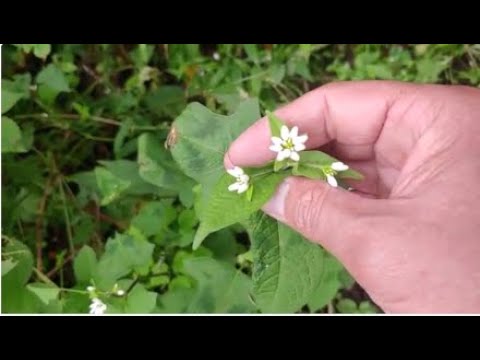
pixel 329 216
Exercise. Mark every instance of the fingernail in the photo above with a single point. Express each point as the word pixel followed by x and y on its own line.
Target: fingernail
pixel 227 162
pixel 276 205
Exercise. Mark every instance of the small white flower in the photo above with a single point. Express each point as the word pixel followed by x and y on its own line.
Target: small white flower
pixel 97 307
pixel 241 185
pixel 289 144
pixel 216 56
pixel 120 292
pixel 339 166
pixel 332 170
pixel 332 181
pixel 90 289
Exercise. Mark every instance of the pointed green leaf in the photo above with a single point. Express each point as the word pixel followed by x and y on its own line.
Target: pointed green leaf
pixel 214 215
pixel 287 267
pixel 45 292
pixel 85 265
pixel 275 124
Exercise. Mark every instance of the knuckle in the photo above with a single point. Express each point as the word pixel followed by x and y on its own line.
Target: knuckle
pixel 308 210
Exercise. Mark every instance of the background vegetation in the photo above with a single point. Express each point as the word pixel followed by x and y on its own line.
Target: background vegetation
pixel 91 197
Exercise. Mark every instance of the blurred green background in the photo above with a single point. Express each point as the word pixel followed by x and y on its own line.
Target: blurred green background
pixel 75 174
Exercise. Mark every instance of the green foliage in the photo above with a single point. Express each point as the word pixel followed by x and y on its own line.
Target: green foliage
pixel 112 163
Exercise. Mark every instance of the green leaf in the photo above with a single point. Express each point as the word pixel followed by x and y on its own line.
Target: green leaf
pixel 187 219
pixel 168 100
pixel 223 245
pixel 13 91
pixel 9 99
pixel 8 265
pixel 347 306
pixel 157 167
pixel 140 301
pixel 156 281
pixel 85 265
pixel 123 254
pixel 128 171
pixel 329 285
pixel 312 162
pixel 214 215
pixel 275 124
pixel 12 139
pixel 176 301
pixel 41 50
pixel 15 298
pixel 220 287
pixel 287 267
pixel 200 138
pixel 110 186
pixel 45 292
pixel 154 217
pixel 51 82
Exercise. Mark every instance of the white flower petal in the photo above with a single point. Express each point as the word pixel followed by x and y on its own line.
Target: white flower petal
pixel 294 156
pixel 332 181
pixel 242 188
pixel 277 140
pixel 300 139
pixel 276 148
pixel 244 178
pixel 294 132
pixel 284 132
pixel 235 171
pixel 234 186
pixel 339 166
pixel 120 292
pixel 90 288
pixel 284 154
pixel 299 147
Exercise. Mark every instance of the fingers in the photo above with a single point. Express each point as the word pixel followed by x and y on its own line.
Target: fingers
pixel 352 113
pixel 323 214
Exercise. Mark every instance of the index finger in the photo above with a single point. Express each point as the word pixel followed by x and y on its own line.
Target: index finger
pixel 352 113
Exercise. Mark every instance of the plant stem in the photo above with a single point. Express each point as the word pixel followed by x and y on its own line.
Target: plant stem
pixel 43 277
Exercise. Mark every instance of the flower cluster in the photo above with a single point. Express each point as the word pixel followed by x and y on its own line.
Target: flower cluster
pixel 97 306
pixel 287 147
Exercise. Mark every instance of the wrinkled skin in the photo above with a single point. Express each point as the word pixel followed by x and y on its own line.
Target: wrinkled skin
pixel 410 233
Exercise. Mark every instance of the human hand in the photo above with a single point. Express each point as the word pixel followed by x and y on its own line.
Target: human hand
pixel 410 233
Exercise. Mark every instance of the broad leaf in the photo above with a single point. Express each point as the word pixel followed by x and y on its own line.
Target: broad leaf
pixel 154 217
pixel 166 101
pixel 14 90
pixel 157 167
pixel 123 254
pixel 12 139
pixel 51 81
pixel 287 268
pixel 329 285
pixel 214 215
pixel 200 138
pixel 44 292
pixel 220 287
pixel 85 265
pixel 8 265
pixel 140 301
pixel 110 186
